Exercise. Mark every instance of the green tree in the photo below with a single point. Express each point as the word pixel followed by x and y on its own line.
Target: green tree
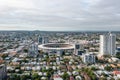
pixel 14 77
pixel 103 78
pixel 118 55
pixel 108 68
pixel 35 76
pixel 4 56
pixel 65 76
pixel 93 68
pixel 25 50
pixel 25 77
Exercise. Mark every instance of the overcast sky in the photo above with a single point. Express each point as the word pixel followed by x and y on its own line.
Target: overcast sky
pixel 60 15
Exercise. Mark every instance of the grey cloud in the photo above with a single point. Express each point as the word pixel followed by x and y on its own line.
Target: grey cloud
pixel 62 15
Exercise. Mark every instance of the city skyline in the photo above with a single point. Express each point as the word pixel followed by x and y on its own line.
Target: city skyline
pixel 39 55
pixel 63 15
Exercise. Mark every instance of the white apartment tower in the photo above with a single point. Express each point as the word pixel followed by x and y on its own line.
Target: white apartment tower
pixel 107 44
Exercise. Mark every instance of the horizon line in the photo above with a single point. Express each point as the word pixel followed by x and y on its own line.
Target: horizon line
pixel 68 30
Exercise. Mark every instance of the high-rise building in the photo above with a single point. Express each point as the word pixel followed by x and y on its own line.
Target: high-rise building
pixel 42 40
pixel 107 44
pixel 45 40
pixel 33 49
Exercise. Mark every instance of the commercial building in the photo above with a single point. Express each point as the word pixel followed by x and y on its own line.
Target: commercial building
pixel 107 44
pixel 3 72
pixel 40 39
pixel 80 52
pixel 43 40
pixel 79 49
pixel 33 49
pixel 88 58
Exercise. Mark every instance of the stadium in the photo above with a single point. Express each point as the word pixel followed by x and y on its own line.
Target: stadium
pixel 58 48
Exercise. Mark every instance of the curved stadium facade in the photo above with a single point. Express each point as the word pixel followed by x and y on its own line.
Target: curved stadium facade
pixel 58 48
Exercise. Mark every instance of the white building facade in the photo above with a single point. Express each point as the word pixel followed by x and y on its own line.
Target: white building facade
pixel 107 44
pixel 88 58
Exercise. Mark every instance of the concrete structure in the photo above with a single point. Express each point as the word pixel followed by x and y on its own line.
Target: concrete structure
pixel 80 52
pixel 40 39
pixel 107 44
pixel 33 49
pixel 78 49
pixel 58 48
pixel 88 58
pixel 3 72
pixel 77 46
pixel 43 40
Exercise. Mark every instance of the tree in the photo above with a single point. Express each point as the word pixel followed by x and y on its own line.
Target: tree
pixel 118 55
pixel 65 76
pixel 93 68
pixel 113 79
pixel 4 56
pixel 14 77
pixel 26 50
pixel 103 78
pixel 35 76
pixel 108 68
pixel 63 53
pixel 48 74
pixel 25 77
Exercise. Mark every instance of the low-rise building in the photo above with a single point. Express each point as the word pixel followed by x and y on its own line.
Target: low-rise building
pixel 88 58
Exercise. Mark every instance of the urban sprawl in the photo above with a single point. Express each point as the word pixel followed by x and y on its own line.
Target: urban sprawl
pixel 42 55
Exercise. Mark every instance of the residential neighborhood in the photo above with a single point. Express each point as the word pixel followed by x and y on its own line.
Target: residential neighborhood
pixel 64 56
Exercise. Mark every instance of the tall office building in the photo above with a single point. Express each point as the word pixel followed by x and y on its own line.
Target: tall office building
pixel 33 49
pixel 107 44
pixel 42 40
pixel 45 40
